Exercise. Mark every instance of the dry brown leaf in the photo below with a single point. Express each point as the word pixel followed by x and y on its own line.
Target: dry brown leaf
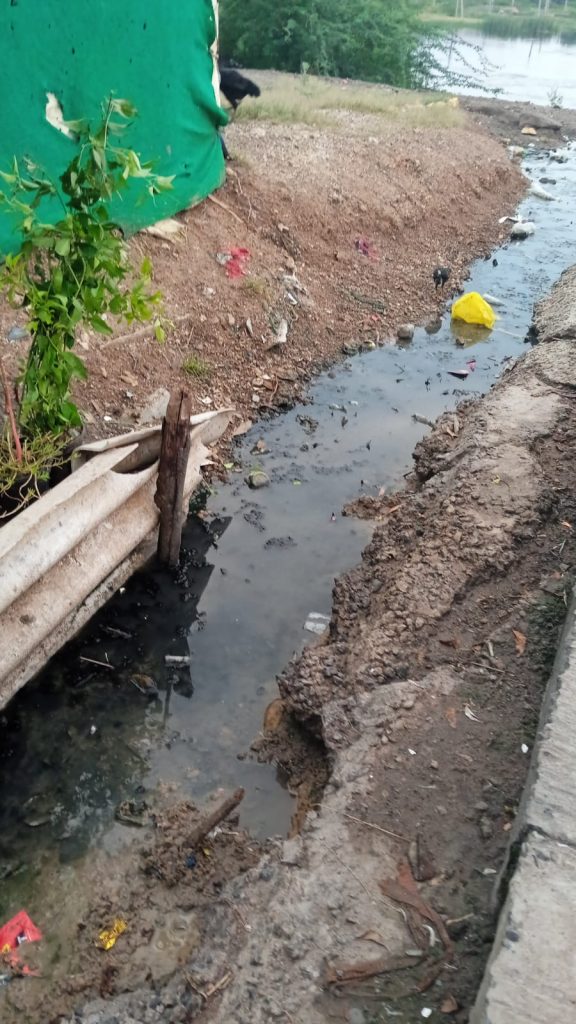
pixel 372 936
pixel 449 1005
pixel 451 716
pixel 567 524
pixel 520 641
pixel 341 973
pixel 404 890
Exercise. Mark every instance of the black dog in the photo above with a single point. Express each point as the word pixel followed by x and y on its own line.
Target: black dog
pixel 235 88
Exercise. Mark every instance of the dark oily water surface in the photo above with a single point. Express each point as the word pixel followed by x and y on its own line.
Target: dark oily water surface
pixel 82 737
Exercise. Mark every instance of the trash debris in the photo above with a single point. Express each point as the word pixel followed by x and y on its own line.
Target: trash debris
pixel 366 248
pixel 16 931
pixel 471 364
pixel 426 1012
pixel 470 714
pixel 317 623
pixel 109 936
pixel 18 334
pixel 473 309
pixel 440 275
pixel 493 301
pixel 541 193
pixel 281 335
pixel 234 261
pixel 524 748
pixel 191 861
pixel 176 659
pixel 460 374
pixel 528 130
pixel 520 642
pixel 523 229
pixel 168 230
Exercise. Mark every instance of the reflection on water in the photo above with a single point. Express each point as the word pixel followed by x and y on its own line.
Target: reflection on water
pixel 82 736
pixel 525 69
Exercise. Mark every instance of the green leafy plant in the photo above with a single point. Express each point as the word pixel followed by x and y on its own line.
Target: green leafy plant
pixel 196 367
pixel 75 272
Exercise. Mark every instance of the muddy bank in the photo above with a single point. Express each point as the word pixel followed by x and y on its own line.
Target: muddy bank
pixel 456 609
pixel 506 119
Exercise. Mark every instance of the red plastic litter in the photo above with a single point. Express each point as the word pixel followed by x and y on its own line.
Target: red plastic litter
pixel 366 248
pixel 236 263
pixel 18 930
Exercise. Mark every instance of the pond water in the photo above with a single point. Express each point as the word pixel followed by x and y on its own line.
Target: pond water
pixel 526 69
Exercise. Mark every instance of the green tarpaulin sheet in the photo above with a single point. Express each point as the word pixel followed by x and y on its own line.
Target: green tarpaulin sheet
pixel 157 55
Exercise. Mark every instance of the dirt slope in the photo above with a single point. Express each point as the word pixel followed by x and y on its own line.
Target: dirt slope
pixel 299 198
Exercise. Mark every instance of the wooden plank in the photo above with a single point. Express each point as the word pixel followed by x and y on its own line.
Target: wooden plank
pixel 169 497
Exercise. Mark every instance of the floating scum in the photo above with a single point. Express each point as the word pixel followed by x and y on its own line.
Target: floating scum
pixel 473 309
pixel 68 57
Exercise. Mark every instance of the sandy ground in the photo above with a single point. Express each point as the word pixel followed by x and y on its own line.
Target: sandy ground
pixel 477 549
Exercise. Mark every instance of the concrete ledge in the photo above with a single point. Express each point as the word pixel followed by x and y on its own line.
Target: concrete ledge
pixel 531 974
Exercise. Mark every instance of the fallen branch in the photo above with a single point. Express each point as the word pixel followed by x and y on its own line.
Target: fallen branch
pixel 218 202
pixel 11 416
pixel 378 828
pixel 339 973
pixel 215 817
pixel 143 332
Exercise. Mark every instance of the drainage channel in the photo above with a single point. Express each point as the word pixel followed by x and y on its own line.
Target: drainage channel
pixel 82 736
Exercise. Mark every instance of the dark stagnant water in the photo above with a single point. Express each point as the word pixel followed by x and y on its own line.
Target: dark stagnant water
pixel 79 738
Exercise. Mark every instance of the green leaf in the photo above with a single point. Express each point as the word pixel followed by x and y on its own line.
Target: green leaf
pixel 100 325
pixel 62 246
pixel 159 332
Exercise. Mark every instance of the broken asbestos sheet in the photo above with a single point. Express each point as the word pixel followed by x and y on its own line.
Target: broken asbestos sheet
pixel 64 556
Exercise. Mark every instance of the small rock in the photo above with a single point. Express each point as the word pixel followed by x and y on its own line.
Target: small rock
pixel 292 851
pixel 434 765
pixel 257 478
pixel 486 827
pixel 405 332
pixel 481 806
pixel 356 1016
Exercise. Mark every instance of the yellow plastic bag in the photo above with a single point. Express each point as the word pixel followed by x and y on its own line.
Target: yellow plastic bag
pixel 473 309
pixel 109 935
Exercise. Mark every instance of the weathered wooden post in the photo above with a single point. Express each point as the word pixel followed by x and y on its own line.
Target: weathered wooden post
pixel 169 497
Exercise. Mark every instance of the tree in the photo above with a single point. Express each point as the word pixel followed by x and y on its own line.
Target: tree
pixel 372 40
